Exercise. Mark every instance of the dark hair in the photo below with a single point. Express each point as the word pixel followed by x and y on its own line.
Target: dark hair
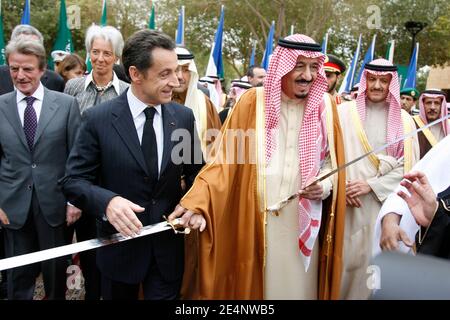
pixel 250 72
pixel 70 62
pixel 139 47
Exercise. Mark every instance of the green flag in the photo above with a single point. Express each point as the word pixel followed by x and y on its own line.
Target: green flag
pixel 2 38
pixel 151 22
pixel 103 22
pixel 390 51
pixel 64 37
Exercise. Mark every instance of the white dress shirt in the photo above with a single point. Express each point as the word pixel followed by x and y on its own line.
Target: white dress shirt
pixel 137 108
pixel 37 105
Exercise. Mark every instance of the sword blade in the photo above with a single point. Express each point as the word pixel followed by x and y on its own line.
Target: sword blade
pixel 278 206
pixel 25 259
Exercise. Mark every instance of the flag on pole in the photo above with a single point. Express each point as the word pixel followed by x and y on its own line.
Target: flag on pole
pixel 390 51
pixel 410 81
pixel 269 47
pixel 325 43
pixel 347 83
pixel 26 13
pixel 215 63
pixel 151 21
pixel 2 38
pixel 367 58
pixel 103 21
pixel 252 57
pixel 64 37
pixel 179 36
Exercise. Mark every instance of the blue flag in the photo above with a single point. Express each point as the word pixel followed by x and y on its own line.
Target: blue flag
pixel 215 63
pixel 410 81
pixel 252 57
pixel 269 47
pixel 367 58
pixel 180 29
pixel 325 44
pixel 347 83
pixel 26 13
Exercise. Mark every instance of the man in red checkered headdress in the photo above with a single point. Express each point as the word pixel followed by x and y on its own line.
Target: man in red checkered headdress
pixel 290 137
pixel 372 120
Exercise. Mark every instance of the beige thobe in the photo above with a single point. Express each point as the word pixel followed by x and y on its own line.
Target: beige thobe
pixel 285 276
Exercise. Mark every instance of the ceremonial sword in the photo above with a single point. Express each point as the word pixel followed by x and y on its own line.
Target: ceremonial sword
pixel 279 205
pixel 24 259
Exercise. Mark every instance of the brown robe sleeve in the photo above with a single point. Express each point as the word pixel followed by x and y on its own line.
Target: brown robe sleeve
pixel 226 260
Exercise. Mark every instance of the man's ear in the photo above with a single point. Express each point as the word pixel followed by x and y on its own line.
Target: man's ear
pixel 135 75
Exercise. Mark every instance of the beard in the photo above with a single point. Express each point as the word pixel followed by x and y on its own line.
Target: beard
pixel 302 95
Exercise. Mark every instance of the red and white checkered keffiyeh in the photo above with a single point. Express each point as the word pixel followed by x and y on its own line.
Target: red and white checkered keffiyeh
pixel 394 125
pixel 444 111
pixel 312 146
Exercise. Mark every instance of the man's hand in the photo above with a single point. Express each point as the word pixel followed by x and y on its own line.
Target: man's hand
pixel 3 217
pixel 121 214
pixel 356 188
pixel 353 190
pixel 353 202
pixel 422 201
pixel 391 233
pixel 72 214
pixel 312 192
pixel 188 219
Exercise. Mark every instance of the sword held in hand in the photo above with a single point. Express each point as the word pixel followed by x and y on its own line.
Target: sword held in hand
pixel 281 204
pixel 29 258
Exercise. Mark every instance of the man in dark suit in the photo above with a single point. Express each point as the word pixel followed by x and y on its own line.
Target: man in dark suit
pixel 50 79
pixel 37 130
pixel 126 168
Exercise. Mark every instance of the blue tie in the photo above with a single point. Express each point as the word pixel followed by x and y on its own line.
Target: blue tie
pixel 30 122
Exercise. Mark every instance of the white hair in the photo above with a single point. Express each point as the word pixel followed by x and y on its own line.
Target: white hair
pixel 26 30
pixel 107 33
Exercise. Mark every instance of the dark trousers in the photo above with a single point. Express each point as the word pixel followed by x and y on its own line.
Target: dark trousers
pixel 85 229
pixel 36 234
pixel 155 287
pixel 2 256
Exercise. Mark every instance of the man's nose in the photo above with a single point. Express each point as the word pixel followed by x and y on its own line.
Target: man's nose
pixel 307 75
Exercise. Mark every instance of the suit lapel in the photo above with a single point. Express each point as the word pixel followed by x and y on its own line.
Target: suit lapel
pixel 48 111
pixel 169 125
pixel 124 125
pixel 12 115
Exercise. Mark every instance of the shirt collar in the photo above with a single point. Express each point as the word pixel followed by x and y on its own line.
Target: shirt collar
pixel 115 82
pixel 137 106
pixel 38 94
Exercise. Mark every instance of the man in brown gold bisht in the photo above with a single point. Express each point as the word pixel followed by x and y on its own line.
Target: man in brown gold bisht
pixel 291 136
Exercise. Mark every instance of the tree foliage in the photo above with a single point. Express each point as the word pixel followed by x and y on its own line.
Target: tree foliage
pixel 248 21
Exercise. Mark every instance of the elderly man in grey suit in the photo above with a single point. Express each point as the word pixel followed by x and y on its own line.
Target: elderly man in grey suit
pixel 37 130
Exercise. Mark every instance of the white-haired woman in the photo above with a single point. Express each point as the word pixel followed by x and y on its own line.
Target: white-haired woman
pixel 104 45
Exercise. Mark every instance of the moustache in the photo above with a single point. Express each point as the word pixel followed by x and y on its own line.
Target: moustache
pixel 303 81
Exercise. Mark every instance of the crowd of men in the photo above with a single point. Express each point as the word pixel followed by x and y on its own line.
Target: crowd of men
pixel 143 138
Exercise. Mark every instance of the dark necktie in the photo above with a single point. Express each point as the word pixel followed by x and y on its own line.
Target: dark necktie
pixel 149 146
pixel 30 122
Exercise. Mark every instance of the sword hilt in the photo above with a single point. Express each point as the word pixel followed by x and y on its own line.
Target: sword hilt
pixel 176 226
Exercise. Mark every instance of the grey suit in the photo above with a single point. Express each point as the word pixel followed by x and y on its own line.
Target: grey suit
pixel 29 192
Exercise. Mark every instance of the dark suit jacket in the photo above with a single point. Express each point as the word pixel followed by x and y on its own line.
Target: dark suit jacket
pixel 107 161
pixel 50 79
pixel 22 171
pixel 437 239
